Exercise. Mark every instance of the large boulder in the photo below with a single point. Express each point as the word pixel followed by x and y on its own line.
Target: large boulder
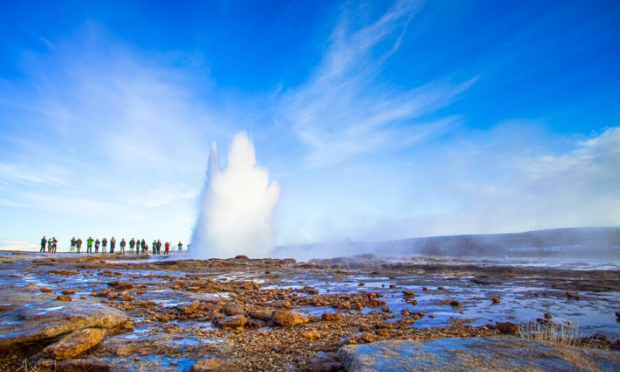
pixel 287 318
pixel 474 354
pixel 75 343
pixel 31 323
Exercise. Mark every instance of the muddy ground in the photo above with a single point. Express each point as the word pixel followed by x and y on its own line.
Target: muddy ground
pixel 274 314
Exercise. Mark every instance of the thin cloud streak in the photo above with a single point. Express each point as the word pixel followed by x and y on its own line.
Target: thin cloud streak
pixel 344 109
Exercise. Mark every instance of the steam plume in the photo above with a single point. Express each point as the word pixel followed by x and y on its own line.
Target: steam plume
pixel 236 205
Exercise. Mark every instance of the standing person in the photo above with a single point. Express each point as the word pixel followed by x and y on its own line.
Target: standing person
pixel 89 244
pixel 154 246
pixel 97 244
pixel 132 244
pixel 112 244
pixel 79 245
pixel 167 247
pixel 180 246
pixel 73 244
pixel 54 246
pixel 158 246
pixel 104 244
pixel 123 244
pixel 43 244
pixel 143 245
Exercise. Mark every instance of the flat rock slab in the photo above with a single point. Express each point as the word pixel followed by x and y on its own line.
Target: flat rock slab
pixel 475 354
pixel 30 323
pixel 75 343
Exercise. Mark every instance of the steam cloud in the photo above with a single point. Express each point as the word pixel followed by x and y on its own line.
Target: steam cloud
pixel 236 205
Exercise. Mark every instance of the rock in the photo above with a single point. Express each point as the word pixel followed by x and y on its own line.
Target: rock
pixel 282 304
pixel 241 257
pixel 368 337
pixel 323 362
pixel 65 298
pixel 424 288
pixel 75 343
pixel 362 284
pixel 571 295
pixel 127 298
pixel 495 300
pixel 455 303
pixel 192 288
pixel 123 286
pixel 392 285
pixel 467 354
pixel 409 293
pixel 383 333
pixel 46 290
pixel 263 315
pixel 189 308
pixel 507 328
pixel 233 309
pixel 68 291
pixel 32 323
pixel 330 317
pixel 312 335
pixel 255 323
pixel 440 288
pixel 548 316
pixel 215 365
pixel 287 318
pixel 233 321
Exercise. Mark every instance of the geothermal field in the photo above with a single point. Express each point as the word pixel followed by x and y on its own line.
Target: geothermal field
pixel 71 312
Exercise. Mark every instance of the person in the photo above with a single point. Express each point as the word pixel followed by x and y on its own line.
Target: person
pixel 167 247
pixel 132 243
pixel 112 244
pixel 180 246
pixel 146 248
pixel 89 244
pixel 43 244
pixel 97 244
pixel 123 244
pixel 104 244
pixel 73 244
pixel 158 246
pixel 143 245
pixel 154 246
pixel 79 245
pixel 54 245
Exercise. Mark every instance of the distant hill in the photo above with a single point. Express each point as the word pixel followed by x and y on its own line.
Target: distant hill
pixel 567 242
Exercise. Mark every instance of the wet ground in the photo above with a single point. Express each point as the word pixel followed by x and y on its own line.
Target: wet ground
pixel 393 298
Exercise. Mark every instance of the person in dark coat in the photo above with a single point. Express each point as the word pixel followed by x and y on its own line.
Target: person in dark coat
pixel 43 244
pixel 158 246
pixel 97 245
pixel 123 244
pixel 104 244
pixel 154 247
pixel 112 245
pixel 78 245
pixel 180 246
pixel 53 247
pixel 73 244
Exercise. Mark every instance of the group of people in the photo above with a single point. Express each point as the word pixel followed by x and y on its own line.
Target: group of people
pixel 135 245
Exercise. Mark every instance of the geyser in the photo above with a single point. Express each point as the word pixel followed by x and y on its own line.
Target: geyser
pixel 236 206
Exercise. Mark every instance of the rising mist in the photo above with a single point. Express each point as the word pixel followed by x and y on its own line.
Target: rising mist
pixel 236 207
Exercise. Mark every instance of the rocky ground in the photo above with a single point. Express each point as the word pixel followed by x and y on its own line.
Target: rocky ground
pixel 69 312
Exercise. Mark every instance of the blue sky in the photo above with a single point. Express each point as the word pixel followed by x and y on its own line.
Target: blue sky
pixel 381 120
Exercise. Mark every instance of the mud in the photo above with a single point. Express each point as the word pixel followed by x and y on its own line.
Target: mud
pixel 184 310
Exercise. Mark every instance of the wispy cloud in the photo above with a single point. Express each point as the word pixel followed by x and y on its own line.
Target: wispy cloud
pixel 345 108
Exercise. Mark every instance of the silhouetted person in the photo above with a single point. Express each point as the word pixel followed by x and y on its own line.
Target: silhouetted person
pixel 104 244
pixel 180 246
pixel 158 246
pixel 112 245
pixel 97 244
pixel 132 244
pixel 154 247
pixel 43 244
pixel 73 244
pixel 53 246
pixel 79 245
pixel 143 246
pixel 123 244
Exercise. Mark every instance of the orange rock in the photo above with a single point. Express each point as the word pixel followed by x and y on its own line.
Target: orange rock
pixel 287 318
pixel 75 343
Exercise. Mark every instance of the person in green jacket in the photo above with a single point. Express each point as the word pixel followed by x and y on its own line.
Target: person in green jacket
pixel 154 246
pixel 89 244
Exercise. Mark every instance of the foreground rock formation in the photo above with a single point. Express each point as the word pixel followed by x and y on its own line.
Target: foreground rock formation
pixel 128 313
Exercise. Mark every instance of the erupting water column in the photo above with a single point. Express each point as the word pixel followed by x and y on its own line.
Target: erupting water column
pixel 236 205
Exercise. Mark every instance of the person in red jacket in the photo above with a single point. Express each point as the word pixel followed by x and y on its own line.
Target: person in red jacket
pixel 167 248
